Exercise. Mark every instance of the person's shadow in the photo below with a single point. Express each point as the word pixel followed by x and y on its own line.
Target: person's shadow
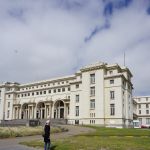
pixel 53 147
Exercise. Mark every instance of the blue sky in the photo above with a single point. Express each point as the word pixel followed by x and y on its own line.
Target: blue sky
pixel 43 39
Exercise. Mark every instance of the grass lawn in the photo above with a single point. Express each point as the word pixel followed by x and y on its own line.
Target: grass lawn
pixel 6 132
pixel 102 139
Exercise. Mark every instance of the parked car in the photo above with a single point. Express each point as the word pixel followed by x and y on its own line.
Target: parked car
pixel 145 126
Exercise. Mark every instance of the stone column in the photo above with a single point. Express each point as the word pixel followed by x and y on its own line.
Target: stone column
pixel 65 111
pixel 13 112
pixel 50 110
pixel 28 113
pixel 45 112
pixel 20 110
pixel 33 111
pixel 18 113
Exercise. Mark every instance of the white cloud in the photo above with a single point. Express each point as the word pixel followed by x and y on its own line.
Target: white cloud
pixel 47 38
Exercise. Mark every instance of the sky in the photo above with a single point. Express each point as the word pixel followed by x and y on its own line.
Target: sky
pixel 42 39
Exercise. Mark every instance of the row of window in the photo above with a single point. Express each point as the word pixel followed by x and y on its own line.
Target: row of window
pixel 147 111
pixel 44 85
pixel 92 115
pixel 92 102
pixel 92 79
pixel 92 121
pixel 139 99
pixel 147 120
pixel 146 105
pixel 42 92
pixel 92 93
pixel 112 110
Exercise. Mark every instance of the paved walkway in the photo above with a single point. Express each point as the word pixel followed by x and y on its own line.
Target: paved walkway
pixel 13 144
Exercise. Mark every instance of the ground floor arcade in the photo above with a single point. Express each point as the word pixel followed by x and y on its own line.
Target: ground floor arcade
pixel 42 110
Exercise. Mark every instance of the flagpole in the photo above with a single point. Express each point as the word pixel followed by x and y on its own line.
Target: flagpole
pixel 124 58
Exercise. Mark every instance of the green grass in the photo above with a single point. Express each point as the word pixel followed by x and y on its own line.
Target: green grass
pixel 102 139
pixel 7 132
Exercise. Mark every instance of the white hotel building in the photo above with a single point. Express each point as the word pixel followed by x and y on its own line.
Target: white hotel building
pixel 142 109
pixel 97 94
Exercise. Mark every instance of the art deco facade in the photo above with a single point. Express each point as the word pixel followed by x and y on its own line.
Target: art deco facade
pixel 142 109
pixel 97 94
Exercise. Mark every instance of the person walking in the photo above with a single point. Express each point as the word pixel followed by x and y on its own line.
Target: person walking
pixel 47 135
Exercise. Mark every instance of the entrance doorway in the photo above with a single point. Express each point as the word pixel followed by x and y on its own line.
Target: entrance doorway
pixel 59 110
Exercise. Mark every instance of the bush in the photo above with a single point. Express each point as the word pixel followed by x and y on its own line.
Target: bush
pixel 6 132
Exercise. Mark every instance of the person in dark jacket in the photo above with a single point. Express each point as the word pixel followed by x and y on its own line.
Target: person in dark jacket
pixel 47 135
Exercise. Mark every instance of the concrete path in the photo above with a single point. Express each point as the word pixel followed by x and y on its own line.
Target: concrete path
pixel 13 144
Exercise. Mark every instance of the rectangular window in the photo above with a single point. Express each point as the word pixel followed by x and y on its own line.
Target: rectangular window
pixel 92 104
pixel 68 110
pixel 112 94
pixel 54 90
pixel 8 114
pixel 37 93
pixel 111 81
pixel 110 72
pixel 49 91
pixel 59 90
pixel 44 92
pixel 28 94
pixel 147 106
pixel 147 111
pixel 140 120
pixel 32 94
pixel 139 105
pixel 92 91
pixel 63 89
pixel 40 92
pixel 148 121
pixel 77 110
pixel 8 104
pixel 92 78
pixel 68 88
pixel 77 86
pixel 77 98
pixel 139 111
pixel 112 109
